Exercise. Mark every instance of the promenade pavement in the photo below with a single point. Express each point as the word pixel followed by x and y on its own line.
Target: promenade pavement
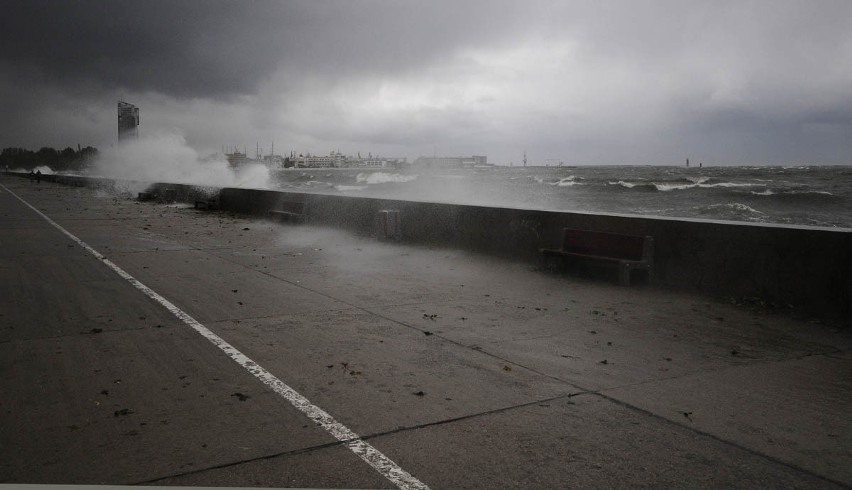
pixel 462 370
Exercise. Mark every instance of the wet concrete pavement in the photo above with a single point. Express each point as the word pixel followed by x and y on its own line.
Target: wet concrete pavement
pixel 465 371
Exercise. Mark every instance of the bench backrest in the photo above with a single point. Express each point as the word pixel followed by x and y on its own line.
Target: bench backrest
pixel 631 247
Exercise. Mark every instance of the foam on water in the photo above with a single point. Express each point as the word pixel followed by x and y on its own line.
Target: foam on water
pixel 383 178
pixel 730 211
pixel 673 187
pixel 569 181
pixel 730 184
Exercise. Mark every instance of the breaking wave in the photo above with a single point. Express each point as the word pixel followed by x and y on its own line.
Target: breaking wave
pixel 731 211
pixel 566 181
pixel 797 196
pixel 681 185
pixel 383 178
pixel 639 186
pixel 674 187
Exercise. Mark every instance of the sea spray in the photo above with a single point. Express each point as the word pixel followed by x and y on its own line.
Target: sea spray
pixel 167 158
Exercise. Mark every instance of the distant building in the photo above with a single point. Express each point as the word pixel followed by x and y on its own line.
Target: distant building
pixel 274 162
pixel 128 121
pixel 451 162
pixel 330 161
pixel 339 160
pixel 236 159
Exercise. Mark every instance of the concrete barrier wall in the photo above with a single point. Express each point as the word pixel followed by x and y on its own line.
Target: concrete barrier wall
pixel 808 268
pixel 157 191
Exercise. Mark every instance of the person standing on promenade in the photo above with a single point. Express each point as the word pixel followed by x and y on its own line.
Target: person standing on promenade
pixel 38 176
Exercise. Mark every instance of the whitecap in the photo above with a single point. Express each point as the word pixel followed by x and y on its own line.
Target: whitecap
pixel 698 180
pixel 674 187
pixel 822 193
pixel 730 184
pixel 383 178
pixel 628 185
pixel 566 181
pixel 735 206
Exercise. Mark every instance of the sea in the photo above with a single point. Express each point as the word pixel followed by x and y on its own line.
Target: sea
pixel 817 196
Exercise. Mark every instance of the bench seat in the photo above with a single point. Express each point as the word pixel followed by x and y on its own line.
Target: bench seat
pixel 628 252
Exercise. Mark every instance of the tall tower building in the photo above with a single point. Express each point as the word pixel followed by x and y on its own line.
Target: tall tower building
pixel 128 121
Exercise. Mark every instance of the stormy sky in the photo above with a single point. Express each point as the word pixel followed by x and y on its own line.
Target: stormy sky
pixel 597 82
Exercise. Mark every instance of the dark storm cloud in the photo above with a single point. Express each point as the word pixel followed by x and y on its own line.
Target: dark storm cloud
pixel 219 48
pixel 584 81
pixel 187 49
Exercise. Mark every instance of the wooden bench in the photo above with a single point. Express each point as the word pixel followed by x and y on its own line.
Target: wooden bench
pixel 288 211
pixel 627 252
pixel 209 203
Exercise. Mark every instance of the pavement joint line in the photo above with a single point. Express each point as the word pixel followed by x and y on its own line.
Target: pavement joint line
pixel 369 311
pixel 196 471
pixel 375 435
pixel 828 353
pixel 753 362
pixel 834 355
pixel 832 350
pixel 473 415
pixel 600 393
pixel 480 350
pixel 716 438
pixel 412 327
pixel 376 459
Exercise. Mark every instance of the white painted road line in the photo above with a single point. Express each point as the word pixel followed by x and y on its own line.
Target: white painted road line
pixel 375 458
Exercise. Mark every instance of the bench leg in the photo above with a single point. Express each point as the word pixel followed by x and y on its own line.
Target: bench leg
pixel 552 263
pixel 624 274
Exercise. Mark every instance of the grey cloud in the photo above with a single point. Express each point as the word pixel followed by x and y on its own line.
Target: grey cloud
pixel 185 49
pixel 195 48
pixel 644 82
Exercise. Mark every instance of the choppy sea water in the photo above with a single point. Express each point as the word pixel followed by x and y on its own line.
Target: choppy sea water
pixel 811 196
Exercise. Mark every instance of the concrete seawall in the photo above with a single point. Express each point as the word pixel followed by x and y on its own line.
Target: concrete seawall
pixel 804 267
